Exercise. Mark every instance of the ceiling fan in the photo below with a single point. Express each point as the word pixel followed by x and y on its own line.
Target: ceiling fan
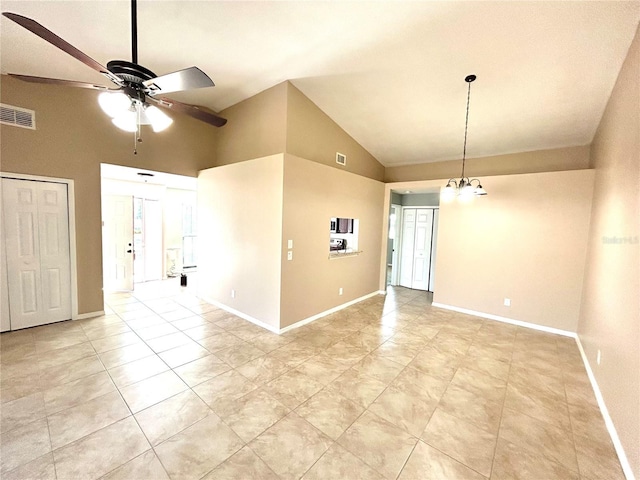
pixel 128 104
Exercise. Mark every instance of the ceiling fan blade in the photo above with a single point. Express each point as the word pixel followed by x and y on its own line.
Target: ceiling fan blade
pixel 56 81
pixel 55 40
pixel 196 112
pixel 187 79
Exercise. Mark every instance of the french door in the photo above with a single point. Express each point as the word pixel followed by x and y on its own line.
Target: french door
pixel 117 242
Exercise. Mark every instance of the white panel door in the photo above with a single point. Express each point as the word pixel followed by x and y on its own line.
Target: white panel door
pixel 408 239
pixel 36 223
pixel 434 242
pixel 117 242
pixel 422 249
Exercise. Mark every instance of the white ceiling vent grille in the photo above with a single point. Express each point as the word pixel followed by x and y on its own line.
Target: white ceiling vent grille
pixel 18 117
pixel 341 159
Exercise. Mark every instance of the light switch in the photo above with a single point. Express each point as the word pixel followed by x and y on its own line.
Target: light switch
pixel 290 255
pixel 289 243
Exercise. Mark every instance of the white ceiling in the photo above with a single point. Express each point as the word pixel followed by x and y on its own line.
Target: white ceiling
pixel 389 73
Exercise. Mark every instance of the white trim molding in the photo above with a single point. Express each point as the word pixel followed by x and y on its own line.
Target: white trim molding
pixel 299 324
pixel 624 461
pixel 238 313
pixel 520 323
pixel 622 456
pixel 328 312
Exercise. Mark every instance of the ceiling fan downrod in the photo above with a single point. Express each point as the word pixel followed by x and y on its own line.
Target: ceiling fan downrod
pixel 134 31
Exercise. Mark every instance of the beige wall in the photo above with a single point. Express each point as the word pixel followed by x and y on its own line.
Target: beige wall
pixel 557 159
pixel 240 235
pixel 610 315
pixel 314 193
pixel 282 119
pixel 526 240
pixel 311 134
pixel 256 127
pixel 73 137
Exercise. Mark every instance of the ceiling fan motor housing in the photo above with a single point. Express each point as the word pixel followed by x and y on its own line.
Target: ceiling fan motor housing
pixel 132 76
pixel 130 72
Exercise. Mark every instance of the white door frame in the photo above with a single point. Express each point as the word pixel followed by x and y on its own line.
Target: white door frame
pixel 71 203
pixel 395 257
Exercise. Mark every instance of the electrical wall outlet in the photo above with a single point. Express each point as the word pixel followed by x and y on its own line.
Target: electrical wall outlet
pixel 598 358
pixel 233 293
pixel 507 302
pixel 340 291
pixel 289 243
pixel 290 255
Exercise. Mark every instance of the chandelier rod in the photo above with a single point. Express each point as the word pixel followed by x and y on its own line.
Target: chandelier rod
pixel 466 122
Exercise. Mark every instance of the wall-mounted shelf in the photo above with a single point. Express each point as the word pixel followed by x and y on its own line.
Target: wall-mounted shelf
pixel 333 255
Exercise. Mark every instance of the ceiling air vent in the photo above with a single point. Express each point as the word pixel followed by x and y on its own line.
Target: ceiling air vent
pixel 18 117
pixel 341 159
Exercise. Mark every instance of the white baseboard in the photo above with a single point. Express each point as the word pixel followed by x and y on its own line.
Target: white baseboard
pixel 626 466
pixel 327 312
pixel 622 456
pixel 238 313
pixel 82 316
pixel 301 323
pixel 520 323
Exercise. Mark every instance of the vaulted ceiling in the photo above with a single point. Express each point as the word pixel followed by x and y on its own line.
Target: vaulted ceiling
pixel 389 73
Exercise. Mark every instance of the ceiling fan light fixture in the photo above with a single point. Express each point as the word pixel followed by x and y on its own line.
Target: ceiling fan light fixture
pixel 127 121
pixel 114 104
pixel 157 118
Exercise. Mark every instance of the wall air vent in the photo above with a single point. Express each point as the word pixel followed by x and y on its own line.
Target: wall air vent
pixel 341 159
pixel 18 117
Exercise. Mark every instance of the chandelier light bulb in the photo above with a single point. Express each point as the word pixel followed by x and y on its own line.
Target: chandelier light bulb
pixel 466 192
pixel 448 193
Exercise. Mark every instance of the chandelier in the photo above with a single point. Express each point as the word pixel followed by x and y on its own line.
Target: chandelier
pixel 464 188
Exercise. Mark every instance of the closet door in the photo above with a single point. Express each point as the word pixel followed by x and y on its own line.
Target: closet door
pixel 408 239
pixel 36 232
pixel 422 249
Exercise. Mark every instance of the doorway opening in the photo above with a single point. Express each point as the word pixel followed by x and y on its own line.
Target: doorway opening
pixel 392 246
pixel 148 226
pixel 411 253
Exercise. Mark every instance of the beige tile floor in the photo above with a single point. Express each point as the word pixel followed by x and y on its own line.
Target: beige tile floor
pixel 166 386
